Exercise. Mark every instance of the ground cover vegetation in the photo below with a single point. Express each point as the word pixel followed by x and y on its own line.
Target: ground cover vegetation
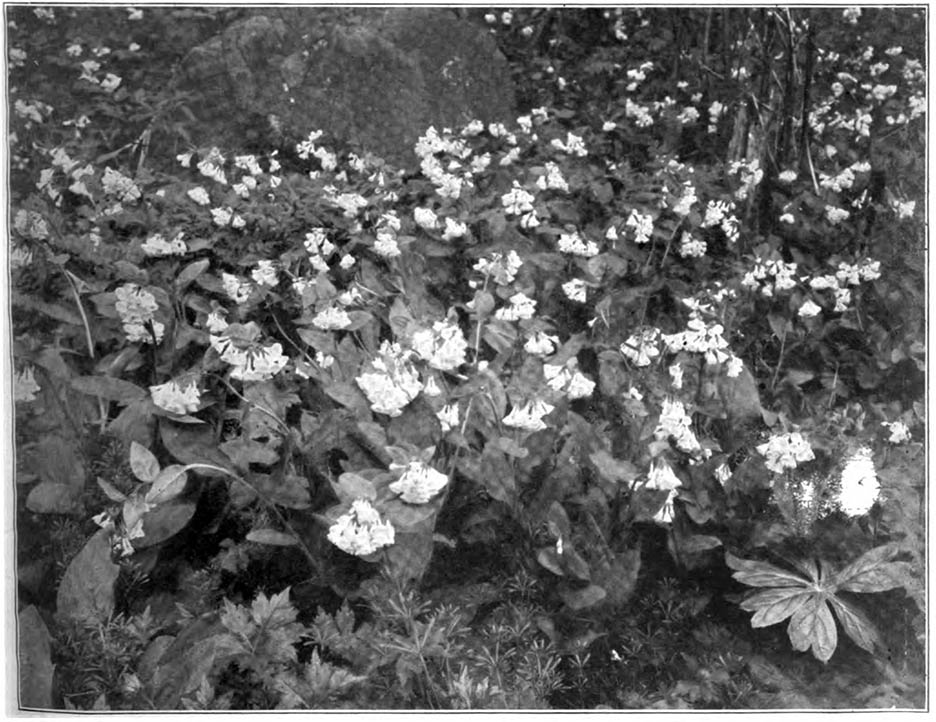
pixel 617 404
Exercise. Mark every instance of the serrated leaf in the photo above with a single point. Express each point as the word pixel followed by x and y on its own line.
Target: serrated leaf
pixel 856 624
pixel 168 484
pixel 351 486
pixel 109 388
pixel 271 537
pixel 813 627
pixel 762 574
pixel 86 592
pixel 582 598
pixel 772 606
pixel 874 572
pixel 143 463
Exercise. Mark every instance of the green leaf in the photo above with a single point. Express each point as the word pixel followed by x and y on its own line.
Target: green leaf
pixel 549 559
pixel 57 461
pixel 110 389
pixel 50 498
pixel 351 486
pixel 271 537
pixel 110 491
pixel 35 660
pixel 499 335
pixel 697 543
pixel 813 627
pixel 558 521
pixel 856 625
pixel 191 272
pixel 86 592
pixel 290 490
pixel 168 484
pixel 874 572
pixel 573 564
pixel 194 445
pixel 612 469
pixel 772 606
pixel 164 522
pixel 349 396
pixel 497 474
pixel 404 516
pixel 582 598
pixel 619 579
pixel 762 574
pixel 143 463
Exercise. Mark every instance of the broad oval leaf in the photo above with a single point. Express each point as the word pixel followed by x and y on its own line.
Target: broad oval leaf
pixel 549 559
pixel 86 592
pixel 271 537
pixel 762 574
pixel 164 522
pixel 351 486
pixel 403 515
pixel 696 543
pixel 774 605
pixel 168 484
pixel 47 497
pixel 856 624
pixel 613 469
pixel 109 388
pixel 582 598
pixel 35 660
pixel 143 463
pixel 191 272
pixel 111 491
pixel 812 626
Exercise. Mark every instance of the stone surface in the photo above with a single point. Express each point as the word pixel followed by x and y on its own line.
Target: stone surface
pixel 376 78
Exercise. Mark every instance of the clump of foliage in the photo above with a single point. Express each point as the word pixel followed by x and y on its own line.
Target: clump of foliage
pixel 536 425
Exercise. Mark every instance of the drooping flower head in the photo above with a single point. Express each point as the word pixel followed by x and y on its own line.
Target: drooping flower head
pixel 361 531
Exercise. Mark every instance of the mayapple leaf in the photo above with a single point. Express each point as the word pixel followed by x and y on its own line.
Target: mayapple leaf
pixel 813 627
pixel 143 463
pixel 762 574
pixel 583 598
pixel 271 537
pixel 874 571
pixel 168 484
pixel 35 660
pixel 109 388
pixel 856 624
pixel 772 606
pixel 86 592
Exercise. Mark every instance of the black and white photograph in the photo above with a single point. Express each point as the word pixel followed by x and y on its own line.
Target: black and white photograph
pixel 426 358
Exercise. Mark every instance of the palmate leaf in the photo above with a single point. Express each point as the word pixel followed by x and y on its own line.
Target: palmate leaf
pixel 774 605
pixel 762 574
pixel 812 626
pixel 856 624
pixel 874 571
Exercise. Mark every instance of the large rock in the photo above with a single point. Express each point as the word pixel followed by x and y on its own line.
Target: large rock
pixel 372 77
